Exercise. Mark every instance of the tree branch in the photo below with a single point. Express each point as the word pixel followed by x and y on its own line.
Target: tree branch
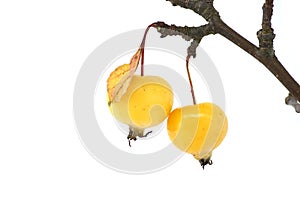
pixel 202 7
pixel 187 33
pixel 264 53
pixel 266 34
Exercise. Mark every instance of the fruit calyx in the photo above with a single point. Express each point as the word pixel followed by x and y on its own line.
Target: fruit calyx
pixel 136 132
pixel 204 160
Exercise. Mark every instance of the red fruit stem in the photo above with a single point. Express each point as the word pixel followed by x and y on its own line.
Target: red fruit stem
pixel 142 46
pixel 187 60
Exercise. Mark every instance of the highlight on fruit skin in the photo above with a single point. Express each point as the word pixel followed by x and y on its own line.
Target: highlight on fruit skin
pixel 147 102
pixel 198 129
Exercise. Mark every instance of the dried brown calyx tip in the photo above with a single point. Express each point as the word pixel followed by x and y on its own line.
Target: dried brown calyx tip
pixel 134 133
pixel 205 160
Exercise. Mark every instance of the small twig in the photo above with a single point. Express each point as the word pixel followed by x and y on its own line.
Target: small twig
pixel 266 34
pixel 187 33
pixel 193 48
pixel 267 15
pixel 202 7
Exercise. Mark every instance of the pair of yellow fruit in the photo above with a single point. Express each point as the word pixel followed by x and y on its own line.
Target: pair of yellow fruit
pixel 196 129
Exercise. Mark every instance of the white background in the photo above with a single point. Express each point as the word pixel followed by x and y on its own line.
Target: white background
pixel 42 47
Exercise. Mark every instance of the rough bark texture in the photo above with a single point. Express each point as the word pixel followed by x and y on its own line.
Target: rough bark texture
pixel 264 53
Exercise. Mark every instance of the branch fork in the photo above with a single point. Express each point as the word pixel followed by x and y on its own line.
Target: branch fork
pixel 264 53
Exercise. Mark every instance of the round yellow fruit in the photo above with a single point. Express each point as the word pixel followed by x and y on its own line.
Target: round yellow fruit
pixel 198 129
pixel 147 102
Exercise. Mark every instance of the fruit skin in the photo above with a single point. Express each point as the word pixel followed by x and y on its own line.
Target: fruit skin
pixel 147 102
pixel 198 129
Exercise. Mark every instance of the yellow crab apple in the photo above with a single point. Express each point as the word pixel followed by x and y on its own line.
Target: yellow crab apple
pixel 198 129
pixel 147 102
